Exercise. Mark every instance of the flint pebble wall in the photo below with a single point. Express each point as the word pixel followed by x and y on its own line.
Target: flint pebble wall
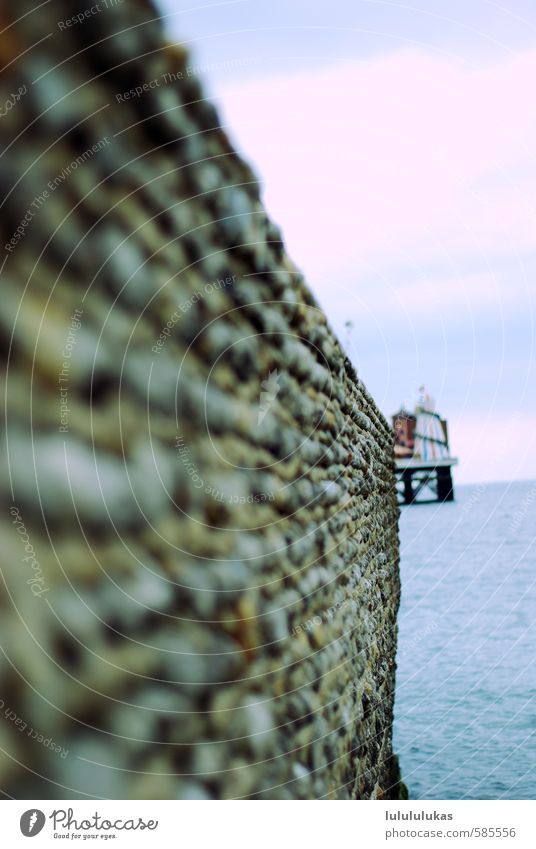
pixel 199 524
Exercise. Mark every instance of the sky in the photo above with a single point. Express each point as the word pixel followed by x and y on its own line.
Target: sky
pixel 396 146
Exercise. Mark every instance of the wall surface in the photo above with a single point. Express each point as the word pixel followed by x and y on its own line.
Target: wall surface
pixel 199 523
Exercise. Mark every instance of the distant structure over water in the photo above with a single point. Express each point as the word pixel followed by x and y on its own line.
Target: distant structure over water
pixel 422 454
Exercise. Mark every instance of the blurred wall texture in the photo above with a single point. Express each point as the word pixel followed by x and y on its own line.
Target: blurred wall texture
pixel 199 525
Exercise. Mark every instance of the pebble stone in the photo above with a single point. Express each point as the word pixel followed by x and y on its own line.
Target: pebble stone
pixel 213 520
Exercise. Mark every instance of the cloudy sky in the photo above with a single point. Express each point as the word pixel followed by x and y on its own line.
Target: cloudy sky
pixel 396 145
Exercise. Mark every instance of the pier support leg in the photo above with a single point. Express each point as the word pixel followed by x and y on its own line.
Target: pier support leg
pixel 408 486
pixel 445 490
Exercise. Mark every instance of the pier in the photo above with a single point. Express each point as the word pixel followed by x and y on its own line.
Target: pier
pixel 422 454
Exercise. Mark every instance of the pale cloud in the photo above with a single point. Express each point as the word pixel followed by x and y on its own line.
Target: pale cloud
pixel 494 447
pixel 405 186
pixel 395 160
pixel 387 300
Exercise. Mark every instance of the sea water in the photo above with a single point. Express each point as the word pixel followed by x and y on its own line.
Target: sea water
pixel 465 712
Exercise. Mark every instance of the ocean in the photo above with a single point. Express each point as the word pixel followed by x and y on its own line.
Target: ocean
pixel 465 711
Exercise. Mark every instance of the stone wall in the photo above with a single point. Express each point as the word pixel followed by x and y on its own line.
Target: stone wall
pixel 199 524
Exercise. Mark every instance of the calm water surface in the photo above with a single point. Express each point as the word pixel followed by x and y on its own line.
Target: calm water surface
pixel 466 683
